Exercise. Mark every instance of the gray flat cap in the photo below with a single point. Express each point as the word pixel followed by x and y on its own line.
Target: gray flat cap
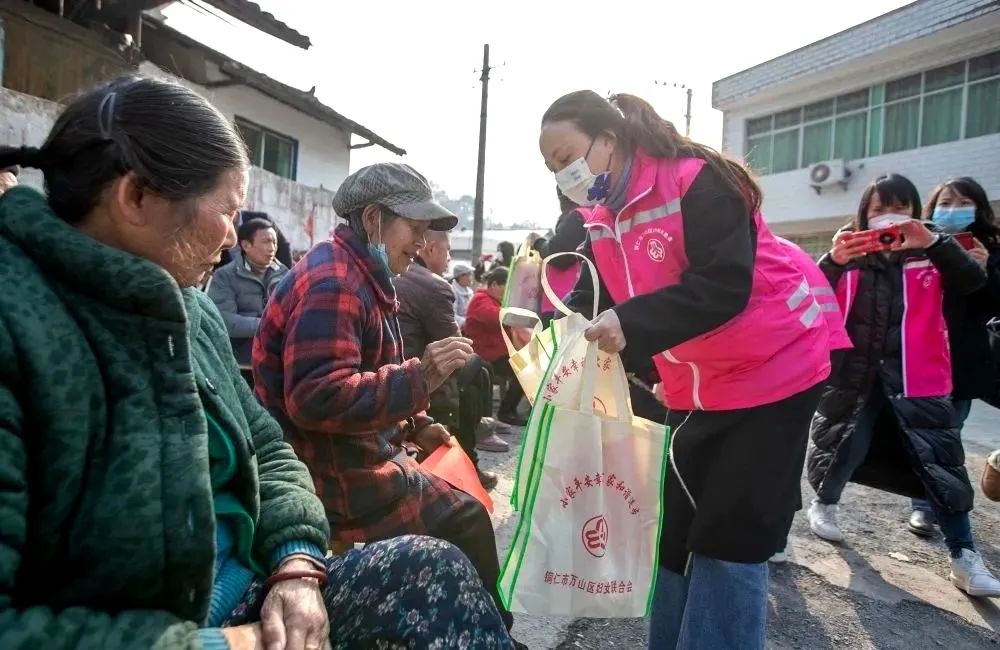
pixel 398 187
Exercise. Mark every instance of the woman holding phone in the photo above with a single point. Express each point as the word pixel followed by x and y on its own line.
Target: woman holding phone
pixel 960 207
pixel 886 418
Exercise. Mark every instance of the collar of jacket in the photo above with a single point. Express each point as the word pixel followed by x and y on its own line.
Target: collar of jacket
pixel 641 181
pixel 374 272
pixel 83 264
pixel 487 294
pixel 275 265
pixel 244 269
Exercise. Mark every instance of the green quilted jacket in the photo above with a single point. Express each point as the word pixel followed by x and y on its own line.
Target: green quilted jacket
pixel 107 530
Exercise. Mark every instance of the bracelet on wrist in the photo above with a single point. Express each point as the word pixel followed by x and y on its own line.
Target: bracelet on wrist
pixel 304 574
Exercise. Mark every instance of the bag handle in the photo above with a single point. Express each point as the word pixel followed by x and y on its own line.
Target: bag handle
pixel 556 300
pixel 623 405
pixel 526 250
pixel 517 311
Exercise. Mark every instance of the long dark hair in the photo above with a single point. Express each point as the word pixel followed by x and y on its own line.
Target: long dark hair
pixel 174 140
pixel 984 228
pixel 891 188
pixel 637 125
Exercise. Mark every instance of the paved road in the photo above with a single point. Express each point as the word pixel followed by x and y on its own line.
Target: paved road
pixel 854 595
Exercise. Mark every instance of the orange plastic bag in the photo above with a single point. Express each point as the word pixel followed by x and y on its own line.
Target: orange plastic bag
pixel 452 465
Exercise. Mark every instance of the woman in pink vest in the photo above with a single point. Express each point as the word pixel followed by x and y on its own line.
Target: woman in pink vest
pixel 695 281
pixel 886 418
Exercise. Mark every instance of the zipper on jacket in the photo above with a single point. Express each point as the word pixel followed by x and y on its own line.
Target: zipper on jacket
pixel 618 239
pixel 695 371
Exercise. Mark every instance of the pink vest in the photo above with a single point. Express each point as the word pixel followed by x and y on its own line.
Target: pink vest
pixel 926 354
pixel 823 294
pixel 775 348
pixel 562 281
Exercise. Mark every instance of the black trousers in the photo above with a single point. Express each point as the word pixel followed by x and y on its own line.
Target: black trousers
pixel 474 391
pixel 742 470
pixel 513 394
pixel 471 530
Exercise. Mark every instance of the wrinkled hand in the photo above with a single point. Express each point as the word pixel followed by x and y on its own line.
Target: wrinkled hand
pixel 442 358
pixel 243 637
pixel 846 248
pixel 431 437
pixel 915 235
pixel 979 253
pixel 7 181
pixel 606 329
pixel 294 616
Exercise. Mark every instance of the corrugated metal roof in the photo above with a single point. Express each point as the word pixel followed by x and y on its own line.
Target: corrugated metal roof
pixel 252 14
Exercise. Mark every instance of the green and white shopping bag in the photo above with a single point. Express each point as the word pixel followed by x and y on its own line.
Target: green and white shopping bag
pixel 588 539
pixel 532 365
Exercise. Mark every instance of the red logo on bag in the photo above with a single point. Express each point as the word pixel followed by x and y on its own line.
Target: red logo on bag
pixel 595 536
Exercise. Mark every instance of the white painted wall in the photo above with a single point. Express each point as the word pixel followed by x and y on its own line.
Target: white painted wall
pixel 27 121
pixel 788 195
pixel 324 151
pixel 906 27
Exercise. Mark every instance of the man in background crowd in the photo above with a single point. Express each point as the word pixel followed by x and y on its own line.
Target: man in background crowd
pixel 427 314
pixel 461 286
pixel 240 289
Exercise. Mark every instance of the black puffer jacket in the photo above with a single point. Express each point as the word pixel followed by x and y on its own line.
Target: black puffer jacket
pixel 927 459
pixel 973 367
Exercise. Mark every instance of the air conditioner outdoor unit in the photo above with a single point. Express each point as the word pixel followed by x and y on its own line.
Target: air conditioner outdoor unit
pixel 829 174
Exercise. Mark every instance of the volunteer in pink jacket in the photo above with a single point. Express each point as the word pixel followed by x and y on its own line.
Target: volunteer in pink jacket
pixel 698 283
pixel 887 419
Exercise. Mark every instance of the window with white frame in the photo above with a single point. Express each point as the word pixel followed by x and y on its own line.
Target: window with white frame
pixel 268 149
pixel 944 104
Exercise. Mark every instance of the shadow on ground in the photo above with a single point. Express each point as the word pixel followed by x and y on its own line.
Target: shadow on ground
pixel 808 612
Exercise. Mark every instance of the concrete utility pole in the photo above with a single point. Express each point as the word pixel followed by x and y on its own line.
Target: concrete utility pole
pixel 687 115
pixel 477 221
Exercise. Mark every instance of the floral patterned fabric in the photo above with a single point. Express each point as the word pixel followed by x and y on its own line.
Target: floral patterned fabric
pixel 406 592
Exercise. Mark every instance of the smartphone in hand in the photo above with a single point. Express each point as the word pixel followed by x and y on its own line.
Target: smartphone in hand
pixel 966 239
pixel 875 241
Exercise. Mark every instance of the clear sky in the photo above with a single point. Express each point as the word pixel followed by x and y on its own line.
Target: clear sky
pixel 409 70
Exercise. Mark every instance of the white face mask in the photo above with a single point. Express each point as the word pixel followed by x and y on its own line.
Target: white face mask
pixel 576 180
pixel 887 220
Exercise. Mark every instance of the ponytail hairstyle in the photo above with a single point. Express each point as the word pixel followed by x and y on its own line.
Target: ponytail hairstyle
pixel 170 137
pixel 984 228
pixel 637 125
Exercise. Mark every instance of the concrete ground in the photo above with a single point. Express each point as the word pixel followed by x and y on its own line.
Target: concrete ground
pixel 882 588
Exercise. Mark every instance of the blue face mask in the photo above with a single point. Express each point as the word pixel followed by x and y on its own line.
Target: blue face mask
pixel 379 252
pixel 953 220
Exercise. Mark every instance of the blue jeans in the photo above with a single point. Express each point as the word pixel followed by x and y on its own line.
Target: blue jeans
pixel 728 607
pixel 955 527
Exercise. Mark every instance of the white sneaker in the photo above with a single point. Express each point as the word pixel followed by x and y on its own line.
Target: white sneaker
pixel 823 521
pixel 969 574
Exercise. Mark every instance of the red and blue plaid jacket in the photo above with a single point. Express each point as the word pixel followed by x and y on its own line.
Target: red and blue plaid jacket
pixel 328 365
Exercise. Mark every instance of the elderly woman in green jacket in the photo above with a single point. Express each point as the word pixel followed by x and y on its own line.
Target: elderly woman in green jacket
pixel 146 499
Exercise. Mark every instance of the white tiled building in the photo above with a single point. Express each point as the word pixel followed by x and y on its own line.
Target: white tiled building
pixel 915 91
